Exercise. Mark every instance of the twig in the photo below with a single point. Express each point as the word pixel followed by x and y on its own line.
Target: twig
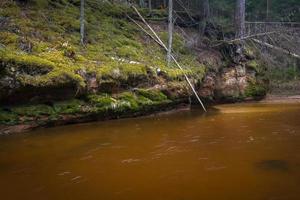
pixel 276 48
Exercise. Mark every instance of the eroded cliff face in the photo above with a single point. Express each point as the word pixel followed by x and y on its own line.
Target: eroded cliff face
pixel 235 83
pixel 27 107
pixel 242 79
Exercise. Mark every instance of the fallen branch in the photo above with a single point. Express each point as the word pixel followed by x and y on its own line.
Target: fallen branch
pixel 251 36
pixel 245 38
pixel 276 48
pixel 172 57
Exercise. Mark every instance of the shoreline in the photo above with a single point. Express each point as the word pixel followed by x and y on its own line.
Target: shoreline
pixel 160 110
pixel 272 98
pixel 78 119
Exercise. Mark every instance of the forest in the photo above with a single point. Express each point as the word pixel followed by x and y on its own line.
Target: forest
pixel 149 99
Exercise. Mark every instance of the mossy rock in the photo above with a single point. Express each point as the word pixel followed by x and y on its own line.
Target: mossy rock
pixel 28 64
pixel 136 102
pixel 8 38
pixel 104 100
pixel 255 90
pixel 69 107
pixel 8 117
pixel 253 64
pixel 33 110
pixel 152 94
pixel 129 99
pixel 249 53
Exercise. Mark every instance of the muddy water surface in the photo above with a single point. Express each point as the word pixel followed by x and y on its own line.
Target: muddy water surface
pixel 241 151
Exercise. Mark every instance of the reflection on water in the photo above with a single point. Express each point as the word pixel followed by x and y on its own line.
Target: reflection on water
pixel 241 151
pixel 280 165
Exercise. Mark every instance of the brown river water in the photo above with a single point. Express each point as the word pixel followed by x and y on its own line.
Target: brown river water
pixel 234 152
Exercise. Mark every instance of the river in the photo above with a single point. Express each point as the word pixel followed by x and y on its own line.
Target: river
pixel 238 151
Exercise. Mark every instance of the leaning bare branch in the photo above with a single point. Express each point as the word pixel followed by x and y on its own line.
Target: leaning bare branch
pixel 144 30
pixel 172 57
pixel 246 38
pixel 276 48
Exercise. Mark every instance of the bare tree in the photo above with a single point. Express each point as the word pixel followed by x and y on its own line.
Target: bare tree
pixel 150 5
pixel 268 10
pixel 82 22
pixel 206 10
pixel 170 31
pixel 142 3
pixel 240 18
pixel 165 3
pixel 206 15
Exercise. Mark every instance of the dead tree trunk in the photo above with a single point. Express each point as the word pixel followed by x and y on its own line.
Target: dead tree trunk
pixel 268 10
pixel 150 5
pixel 277 48
pixel 266 26
pixel 206 10
pixel 170 32
pixel 240 18
pixel 82 22
pixel 165 3
pixel 206 15
pixel 142 3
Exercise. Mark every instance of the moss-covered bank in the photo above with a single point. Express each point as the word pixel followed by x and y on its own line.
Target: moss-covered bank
pixel 92 107
pixel 47 77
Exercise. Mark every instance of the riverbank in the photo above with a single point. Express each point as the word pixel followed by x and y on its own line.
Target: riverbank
pixel 48 79
pixel 271 98
pixel 108 114
pixel 101 107
pixel 158 109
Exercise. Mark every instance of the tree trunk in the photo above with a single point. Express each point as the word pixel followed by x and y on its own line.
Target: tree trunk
pixel 150 5
pixel 82 22
pixel 206 10
pixel 206 15
pixel 268 10
pixel 240 18
pixel 170 32
pixel 165 3
pixel 142 3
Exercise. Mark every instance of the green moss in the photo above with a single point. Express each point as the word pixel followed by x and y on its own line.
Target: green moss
pixel 8 38
pixel 43 70
pixel 127 101
pixel 7 117
pixel 69 107
pixel 25 61
pixel 152 94
pixel 127 52
pixel 33 110
pixel 57 40
pixel 253 65
pixel 255 90
pixel 178 43
pixel 40 47
pixel 248 51
pixel 10 8
pixel 135 101
pixel 102 105
pixel 103 100
pixel 112 42
pixel 122 71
